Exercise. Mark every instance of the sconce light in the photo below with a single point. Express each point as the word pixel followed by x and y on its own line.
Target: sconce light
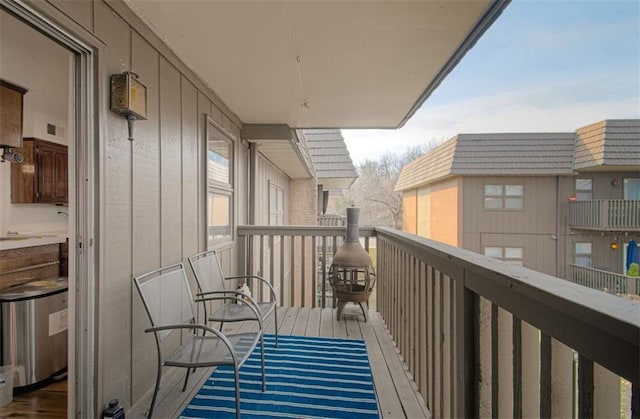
pixel 614 182
pixel 8 154
pixel 614 244
pixel 128 98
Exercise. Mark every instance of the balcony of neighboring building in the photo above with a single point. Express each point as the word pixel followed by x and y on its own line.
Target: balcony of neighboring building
pixel 605 215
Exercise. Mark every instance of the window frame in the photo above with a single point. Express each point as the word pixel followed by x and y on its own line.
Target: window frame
pixel 503 254
pixel 279 213
pixel 625 186
pixel 502 197
pixel 579 191
pixel 214 132
pixel 577 254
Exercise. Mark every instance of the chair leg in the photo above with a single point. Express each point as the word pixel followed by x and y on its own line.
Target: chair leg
pixel 275 321
pixel 155 390
pixel 237 380
pixel 186 379
pixel 364 313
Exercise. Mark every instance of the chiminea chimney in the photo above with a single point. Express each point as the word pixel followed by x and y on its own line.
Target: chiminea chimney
pixel 351 274
pixel 351 253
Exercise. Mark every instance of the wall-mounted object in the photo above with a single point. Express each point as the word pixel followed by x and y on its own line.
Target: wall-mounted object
pixel 11 110
pixel 128 98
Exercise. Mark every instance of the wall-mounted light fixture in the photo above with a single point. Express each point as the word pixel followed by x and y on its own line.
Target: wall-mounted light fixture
pixel 614 244
pixel 128 98
pixel 10 155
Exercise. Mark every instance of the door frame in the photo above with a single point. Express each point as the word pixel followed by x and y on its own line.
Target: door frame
pixel 82 209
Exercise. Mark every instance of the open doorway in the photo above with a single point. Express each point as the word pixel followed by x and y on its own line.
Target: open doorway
pixel 46 214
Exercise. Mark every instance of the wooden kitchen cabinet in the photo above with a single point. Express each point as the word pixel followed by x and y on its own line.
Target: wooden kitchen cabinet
pixel 11 107
pixel 43 175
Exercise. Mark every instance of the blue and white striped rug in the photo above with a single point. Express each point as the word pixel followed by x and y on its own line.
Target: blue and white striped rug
pixel 307 377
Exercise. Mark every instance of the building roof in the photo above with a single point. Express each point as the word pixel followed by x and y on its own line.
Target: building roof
pixel 330 157
pixel 492 155
pixel 613 142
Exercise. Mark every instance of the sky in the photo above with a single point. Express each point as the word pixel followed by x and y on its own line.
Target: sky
pixel 543 66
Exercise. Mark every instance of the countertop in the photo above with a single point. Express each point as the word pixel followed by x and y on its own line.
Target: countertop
pixel 30 240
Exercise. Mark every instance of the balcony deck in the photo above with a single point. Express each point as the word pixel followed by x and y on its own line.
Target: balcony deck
pixel 397 393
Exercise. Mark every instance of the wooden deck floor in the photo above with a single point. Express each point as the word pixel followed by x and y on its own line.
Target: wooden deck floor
pixel 395 388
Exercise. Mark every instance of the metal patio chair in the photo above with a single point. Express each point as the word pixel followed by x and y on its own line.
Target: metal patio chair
pixel 169 303
pixel 211 284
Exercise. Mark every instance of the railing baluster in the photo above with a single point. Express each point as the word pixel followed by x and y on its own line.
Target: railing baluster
pixel 261 266
pixel 303 269
pixel 282 270
pixel 324 271
pixel 314 272
pixel 292 294
pixel 271 262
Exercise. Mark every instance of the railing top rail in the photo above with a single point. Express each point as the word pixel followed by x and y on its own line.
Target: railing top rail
pixel 248 230
pixel 587 320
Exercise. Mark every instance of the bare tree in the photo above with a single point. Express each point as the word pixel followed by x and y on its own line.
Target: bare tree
pixel 373 191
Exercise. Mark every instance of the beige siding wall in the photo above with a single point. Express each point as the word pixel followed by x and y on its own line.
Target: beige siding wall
pixel 539 228
pixel 268 173
pixel 150 191
pixel 424 217
pixel 409 212
pixel 607 185
pixel 445 200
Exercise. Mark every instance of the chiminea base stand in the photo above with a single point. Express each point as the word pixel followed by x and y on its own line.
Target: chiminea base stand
pixel 358 297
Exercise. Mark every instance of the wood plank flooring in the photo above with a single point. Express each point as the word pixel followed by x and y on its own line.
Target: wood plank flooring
pixel 49 402
pixel 396 391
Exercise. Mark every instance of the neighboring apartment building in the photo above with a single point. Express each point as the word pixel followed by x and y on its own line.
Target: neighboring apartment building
pixel 560 203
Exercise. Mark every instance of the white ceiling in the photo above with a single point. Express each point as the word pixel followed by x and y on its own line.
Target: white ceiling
pixel 315 64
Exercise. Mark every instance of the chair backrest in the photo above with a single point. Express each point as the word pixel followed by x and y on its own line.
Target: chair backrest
pixel 166 296
pixel 207 270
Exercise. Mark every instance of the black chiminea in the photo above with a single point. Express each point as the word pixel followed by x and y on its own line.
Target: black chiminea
pixel 351 274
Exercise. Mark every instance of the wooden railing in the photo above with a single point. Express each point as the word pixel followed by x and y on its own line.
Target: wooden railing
pixel 332 220
pixel 605 214
pixel 610 282
pixel 295 259
pixel 485 339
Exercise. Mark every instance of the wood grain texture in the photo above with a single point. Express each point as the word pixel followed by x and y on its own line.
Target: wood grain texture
pixel 146 212
pixel 170 165
pixel 49 402
pixel 25 257
pixel 190 176
pixel 115 287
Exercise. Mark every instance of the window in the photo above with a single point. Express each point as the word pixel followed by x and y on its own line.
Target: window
pixel 582 254
pixel 276 205
pixel 631 189
pixel 584 189
pixel 511 255
pixel 219 186
pixel 503 197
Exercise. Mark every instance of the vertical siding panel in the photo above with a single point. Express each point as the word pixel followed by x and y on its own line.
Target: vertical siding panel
pixel 204 108
pixel 146 209
pixel 170 164
pixel 79 10
pixel 115 290
pixel 190 178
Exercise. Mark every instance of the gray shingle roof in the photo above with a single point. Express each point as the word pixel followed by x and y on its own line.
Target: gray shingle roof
pixel 613 142
pixel 330 156
pixel 492 154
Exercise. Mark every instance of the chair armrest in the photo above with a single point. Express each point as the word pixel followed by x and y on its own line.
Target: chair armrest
pixel 202 327
pixel 263 280
pixel 216 292
pixel 242 300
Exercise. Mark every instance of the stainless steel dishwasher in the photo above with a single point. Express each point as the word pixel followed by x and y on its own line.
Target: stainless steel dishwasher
pixel 34 331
